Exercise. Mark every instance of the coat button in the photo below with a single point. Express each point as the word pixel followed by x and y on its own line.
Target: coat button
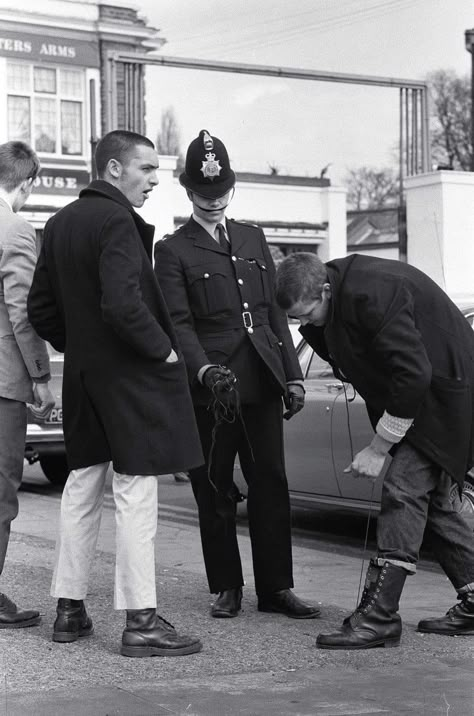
pixel 206 275
pixel 240 282
pixel 250 330
pixel 234 258
pixel 245 305
pixel 264 267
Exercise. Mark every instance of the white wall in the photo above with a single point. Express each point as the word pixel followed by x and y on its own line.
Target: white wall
pixel 255 201
pixel 440 221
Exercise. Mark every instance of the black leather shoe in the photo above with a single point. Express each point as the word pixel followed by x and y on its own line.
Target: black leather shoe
pixel 11 618
pixel 285 602
pixel 227 604
pixel 72 621
pixel 458 621
pixel 148 634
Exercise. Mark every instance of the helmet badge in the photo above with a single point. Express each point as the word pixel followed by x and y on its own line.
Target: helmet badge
pixel 211 167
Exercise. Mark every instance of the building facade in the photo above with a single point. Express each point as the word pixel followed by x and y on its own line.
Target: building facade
pixel 53 61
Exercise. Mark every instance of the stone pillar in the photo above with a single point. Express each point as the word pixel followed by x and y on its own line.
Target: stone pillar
pixel 333 205
pixel 440 226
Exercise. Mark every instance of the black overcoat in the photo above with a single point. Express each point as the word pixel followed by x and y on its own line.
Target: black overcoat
pixel 224 309
pixel 95 297
pixel 407 349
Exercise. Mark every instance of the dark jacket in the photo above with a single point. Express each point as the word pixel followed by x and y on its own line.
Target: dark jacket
pixel 407 349
pixel 95 297
pixel 224 310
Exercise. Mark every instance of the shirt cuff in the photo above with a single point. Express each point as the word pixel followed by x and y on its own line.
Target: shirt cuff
pixel 42 379
pixel 392 428
pixel 296 382
pixel 202 370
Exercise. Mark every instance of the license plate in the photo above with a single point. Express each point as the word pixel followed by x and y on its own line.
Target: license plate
pixel 56 416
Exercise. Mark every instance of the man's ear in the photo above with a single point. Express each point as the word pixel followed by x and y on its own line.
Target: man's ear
pixel 190 194
pixel 327 290
pixel 114 168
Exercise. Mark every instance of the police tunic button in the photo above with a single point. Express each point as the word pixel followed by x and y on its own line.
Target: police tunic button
pixel 245 305
pixel 264 267
pixel 240 282
pixel 249 330
pixel 234 258
pixel 206 275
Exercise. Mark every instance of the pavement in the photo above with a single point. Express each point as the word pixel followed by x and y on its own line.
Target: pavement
pixel 257 664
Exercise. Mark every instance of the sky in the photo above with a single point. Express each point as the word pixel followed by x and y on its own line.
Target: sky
pixel 297 126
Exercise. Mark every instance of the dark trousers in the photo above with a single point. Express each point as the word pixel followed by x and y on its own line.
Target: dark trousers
pixel 417 494
pixel 12 451
pixel 263 467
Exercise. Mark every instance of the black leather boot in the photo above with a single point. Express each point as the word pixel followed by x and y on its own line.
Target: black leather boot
pixel 148 634
pixel 72 621
pixel 285 602
pixel 12 618
pixel 458 621
pixel 227 604
pixel 375 622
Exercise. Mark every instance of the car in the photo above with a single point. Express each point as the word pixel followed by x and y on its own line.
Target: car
pixel 45 438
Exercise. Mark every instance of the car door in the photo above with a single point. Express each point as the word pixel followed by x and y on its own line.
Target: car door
pixel 321 440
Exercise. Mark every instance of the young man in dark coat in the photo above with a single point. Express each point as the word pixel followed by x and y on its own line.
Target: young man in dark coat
pixel 217 278
pixel 125 393
pixel 388 329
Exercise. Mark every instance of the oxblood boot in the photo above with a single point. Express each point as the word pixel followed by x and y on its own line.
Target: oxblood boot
pixel 375 622
pixel 458 621
pixel 72 621
pixel 148 634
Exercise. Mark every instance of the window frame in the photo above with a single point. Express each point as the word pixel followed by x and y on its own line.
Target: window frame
pixel 59 97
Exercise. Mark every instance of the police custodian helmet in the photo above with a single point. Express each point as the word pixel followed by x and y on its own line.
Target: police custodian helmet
pixel 207 170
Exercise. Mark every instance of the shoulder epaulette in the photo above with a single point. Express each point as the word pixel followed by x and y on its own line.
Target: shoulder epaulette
pixel 244 223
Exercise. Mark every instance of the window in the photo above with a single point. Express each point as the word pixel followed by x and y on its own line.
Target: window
pixel 45 107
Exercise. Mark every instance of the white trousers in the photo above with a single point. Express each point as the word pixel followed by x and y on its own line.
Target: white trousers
pixel 136 515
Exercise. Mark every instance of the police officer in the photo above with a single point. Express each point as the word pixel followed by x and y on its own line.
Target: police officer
pixel 217 276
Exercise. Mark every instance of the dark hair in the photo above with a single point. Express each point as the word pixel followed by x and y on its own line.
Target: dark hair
pixel 18 162
pixel 299 277
pixel 117 145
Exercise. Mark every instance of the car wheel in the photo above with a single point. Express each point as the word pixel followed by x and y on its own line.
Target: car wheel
pixel 55 468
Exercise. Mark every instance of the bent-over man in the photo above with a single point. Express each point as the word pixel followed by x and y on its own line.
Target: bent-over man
pixel 388 329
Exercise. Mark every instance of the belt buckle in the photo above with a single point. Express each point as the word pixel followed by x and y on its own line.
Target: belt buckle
pixel 247 319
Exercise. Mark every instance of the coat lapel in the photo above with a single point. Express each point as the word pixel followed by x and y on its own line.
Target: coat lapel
pixel 236 235
pixel 202 239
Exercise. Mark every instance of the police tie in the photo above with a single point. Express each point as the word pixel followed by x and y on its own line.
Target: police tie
pixel 221 238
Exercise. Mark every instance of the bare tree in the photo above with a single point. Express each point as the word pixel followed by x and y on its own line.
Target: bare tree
pixel 168 140
pixel 450 97
pixel 369 188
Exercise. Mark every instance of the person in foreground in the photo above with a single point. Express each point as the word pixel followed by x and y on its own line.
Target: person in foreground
pixel 24 361
pixel 217 277
pixel 125 393
pixel 388 329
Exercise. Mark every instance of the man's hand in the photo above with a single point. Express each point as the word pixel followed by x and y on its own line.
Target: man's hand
pixel 369 462
pixel 294 400
pixel 43 401
pixel 223 384
pixel 172 358
pixel 218 374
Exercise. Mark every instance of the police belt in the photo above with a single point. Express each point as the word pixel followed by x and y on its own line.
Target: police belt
pixel 247 320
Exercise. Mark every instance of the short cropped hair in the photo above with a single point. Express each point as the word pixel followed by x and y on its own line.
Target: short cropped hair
pixel 117 145
pixel 299 277
pixel 18 162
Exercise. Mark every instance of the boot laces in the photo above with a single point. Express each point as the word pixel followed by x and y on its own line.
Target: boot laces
pixel 167 624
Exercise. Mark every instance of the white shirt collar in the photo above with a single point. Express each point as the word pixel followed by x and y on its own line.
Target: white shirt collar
pixel 209 226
